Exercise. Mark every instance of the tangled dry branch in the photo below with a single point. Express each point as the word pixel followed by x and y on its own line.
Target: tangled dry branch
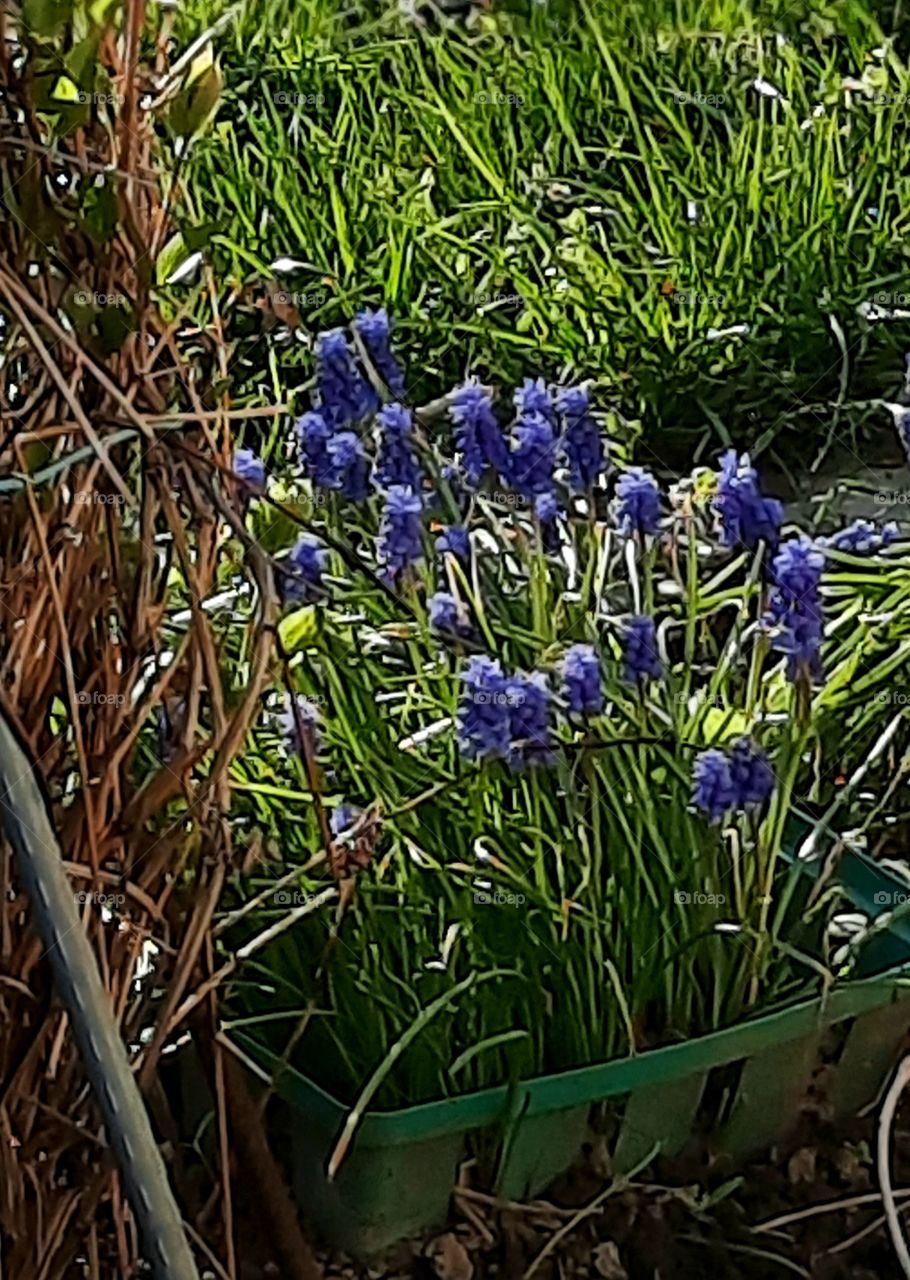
pixel 114 473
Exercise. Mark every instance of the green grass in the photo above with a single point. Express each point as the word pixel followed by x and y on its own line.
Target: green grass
pixel 567 207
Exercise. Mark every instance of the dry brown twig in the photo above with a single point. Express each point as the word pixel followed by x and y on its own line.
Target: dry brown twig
pixel 86 613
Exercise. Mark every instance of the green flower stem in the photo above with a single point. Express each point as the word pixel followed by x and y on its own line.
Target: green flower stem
pixel 769 846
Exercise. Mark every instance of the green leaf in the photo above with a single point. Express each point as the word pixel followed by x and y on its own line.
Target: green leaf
pixel 197 102
pixel 170 257
pixel 198 237
pixel 100 11
pixel 46 18
pixel 721 726
pixel 115 324
pixel 298 629
pixel 82 61
pixel 65 91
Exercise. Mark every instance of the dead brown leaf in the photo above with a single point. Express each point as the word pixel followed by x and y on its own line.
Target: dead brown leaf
pixel 450 1258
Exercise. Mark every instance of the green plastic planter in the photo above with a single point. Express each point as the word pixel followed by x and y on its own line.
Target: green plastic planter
pixel 398 1176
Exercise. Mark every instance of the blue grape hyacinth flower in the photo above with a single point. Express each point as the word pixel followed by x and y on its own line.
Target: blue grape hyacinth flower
pixel 313 436
pixel 581 444
pixel 308 560
pixel 794 615
pixel 747 517
pixel 641 659
pixel 546 507
pixel 453 540
pixel 375 330
pixel 484 717
pixel 863 537
pixel 400 530
pixel 478 435
pixel 348 468
pixel 396 462
pixel 533 399
pixel 582 686
pixel 250 469
pixel 796 574
pixel 637 507
pixel 799 636
pixel 751 774
pixel 447 615
pixel 529 720
pixel 713 791
pixel 299 722
pixel 533 458
pixel 343 818
pixel 345 397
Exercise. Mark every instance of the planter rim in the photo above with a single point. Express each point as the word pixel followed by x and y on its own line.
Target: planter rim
pixel 581 1086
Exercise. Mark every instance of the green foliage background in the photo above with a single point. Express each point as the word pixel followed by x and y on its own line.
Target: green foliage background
pixel 552 229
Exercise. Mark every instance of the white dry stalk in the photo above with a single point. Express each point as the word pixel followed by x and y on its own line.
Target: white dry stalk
pixel 632 566
pixel 808 847
pixel 426 734
pixel 588 1210
pixel 886 1120
pixel 260 898
pixel 268 935
pixel 248 949
pixel 773 1225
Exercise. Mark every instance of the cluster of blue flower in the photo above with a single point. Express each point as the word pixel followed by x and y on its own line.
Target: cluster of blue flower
pixel 504 716
pixel 527 460
pixel 747 517
pixel 307 559
pixel 862 537
pixel 726 781
pixel 553 448
pixel 794 616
